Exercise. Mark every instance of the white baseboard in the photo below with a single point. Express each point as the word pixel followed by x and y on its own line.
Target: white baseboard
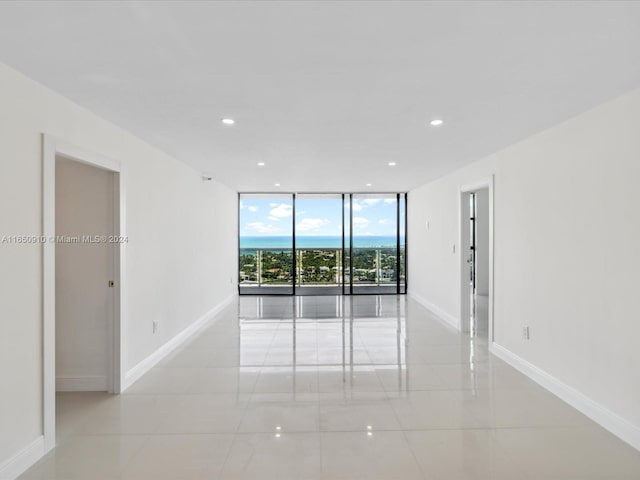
pixel 609 420
pixel 21 461
pixel 79 383
pixel 148 363
pixel 437 311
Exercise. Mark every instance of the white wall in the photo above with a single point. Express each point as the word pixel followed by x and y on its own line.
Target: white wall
pixel 566 263
pixel 181 255
pixel 84 301
pixel 482 241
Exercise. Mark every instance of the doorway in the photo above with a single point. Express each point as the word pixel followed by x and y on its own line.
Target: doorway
pixel 83 255
pixel 476 260
pixel 84 276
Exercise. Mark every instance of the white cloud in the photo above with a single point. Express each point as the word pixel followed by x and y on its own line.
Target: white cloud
pixel 274 219
pixel 370 202
pixel 241 205
pixel 360 222
pixel 261 227
pixel 273 205
pixel 384 221
pixel 282 210
pixel 389 201
pixel 356 206
pixel 310 224
pixel 252 209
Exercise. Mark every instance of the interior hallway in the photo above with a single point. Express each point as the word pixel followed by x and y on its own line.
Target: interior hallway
pixel 334 388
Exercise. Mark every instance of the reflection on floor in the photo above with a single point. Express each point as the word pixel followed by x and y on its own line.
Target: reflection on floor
pixel 368 387
pixel 480 316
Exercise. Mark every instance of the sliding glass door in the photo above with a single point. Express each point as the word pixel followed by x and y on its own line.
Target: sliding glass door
pixel 374 249
pixel 315 244
pixel 266 244
pixel 318 230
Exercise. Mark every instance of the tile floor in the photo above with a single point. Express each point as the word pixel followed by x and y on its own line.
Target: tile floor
pixel 370 387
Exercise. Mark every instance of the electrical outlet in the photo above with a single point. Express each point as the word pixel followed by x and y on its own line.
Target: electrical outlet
pixel 525 333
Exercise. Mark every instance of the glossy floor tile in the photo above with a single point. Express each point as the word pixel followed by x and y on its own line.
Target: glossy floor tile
pixel 370 387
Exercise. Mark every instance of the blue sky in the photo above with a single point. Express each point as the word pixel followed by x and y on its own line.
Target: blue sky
pixel 271 216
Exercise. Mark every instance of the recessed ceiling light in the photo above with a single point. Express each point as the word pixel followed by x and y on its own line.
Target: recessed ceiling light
pixel 228 121
pixel 261 164
pixel 392 164
pixel 368 185
pixel 436 122
pixel 276 184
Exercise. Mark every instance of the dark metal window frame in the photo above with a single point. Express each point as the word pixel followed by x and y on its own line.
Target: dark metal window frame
pixel 399 196
pixel 472 246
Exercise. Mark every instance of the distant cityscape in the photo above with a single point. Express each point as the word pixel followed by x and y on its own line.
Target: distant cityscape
pixel 320 266
pixel 324 254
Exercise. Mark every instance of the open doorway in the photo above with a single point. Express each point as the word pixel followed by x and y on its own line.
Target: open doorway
pixel 84 295
pixel 476 260
pixel 83 257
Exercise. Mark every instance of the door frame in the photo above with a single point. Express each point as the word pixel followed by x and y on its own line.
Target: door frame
pixel 463 251
pixel 51 148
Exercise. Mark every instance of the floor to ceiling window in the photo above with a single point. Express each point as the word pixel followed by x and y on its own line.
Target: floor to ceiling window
pixel 322 243
pixel 318 231
pixel 266 244
pixel 374 248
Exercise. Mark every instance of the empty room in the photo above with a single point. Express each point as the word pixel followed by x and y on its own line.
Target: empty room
pixel 319 240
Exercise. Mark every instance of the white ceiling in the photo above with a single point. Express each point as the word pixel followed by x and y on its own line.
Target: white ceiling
pixel 326 94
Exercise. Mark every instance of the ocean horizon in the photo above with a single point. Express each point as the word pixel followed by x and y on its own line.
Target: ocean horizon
pixel 267 242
